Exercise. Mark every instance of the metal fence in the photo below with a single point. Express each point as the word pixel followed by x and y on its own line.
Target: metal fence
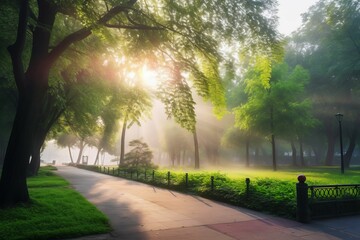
pixel 334 200
pixel 321 201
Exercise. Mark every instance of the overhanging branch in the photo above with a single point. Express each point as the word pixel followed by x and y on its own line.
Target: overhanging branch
pixel 86 31
pixel 135 27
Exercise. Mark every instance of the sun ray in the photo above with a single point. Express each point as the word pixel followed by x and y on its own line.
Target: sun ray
pixel 149 77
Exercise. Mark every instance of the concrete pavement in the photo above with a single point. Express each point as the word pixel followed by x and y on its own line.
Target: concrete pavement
pixel 140 211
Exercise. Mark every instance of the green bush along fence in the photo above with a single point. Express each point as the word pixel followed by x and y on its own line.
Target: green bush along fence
pixel 266 195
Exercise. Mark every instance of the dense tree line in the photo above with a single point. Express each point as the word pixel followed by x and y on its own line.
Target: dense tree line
pixel 296 98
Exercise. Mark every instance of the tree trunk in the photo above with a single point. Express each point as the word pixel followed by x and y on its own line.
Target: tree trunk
pixel 331 143
pixel 38 142
pixel 273 152
pixel 273 139
pixel 13 188
pixel 350 149
pixel 172 158
pixel 97 156
pixel 34 164
pixel 247 152
pixel 122 141
pixel 71 157
pixel 81 149
pixel 302 160
pixel 212 154
pixel 196 146
pixel 293 155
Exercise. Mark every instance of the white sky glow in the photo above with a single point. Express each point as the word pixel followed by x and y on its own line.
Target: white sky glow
pixel 290 14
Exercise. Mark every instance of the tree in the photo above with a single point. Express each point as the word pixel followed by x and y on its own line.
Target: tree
pixel 109 117
pixel 236 138
pixel 137 103
pixel 327 45
pixel 179 104
pixel 179 30
pixel 67 140
pixel 275 100
pixel 138 157
pixel 176 141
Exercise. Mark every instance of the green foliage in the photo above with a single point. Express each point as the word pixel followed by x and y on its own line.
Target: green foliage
pixel 56 211
pixel 275 100
pixel 136 104
pixel 138 157
pixel 178 100
pixel 328 46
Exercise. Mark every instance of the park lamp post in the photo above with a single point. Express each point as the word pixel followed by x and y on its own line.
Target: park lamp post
pixel 339 117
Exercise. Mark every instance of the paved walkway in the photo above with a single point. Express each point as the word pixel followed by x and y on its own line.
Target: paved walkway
pixel 140 211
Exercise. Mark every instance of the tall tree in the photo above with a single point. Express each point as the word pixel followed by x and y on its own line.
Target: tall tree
pixel 137 104
pixel 68 141
pixel 275 102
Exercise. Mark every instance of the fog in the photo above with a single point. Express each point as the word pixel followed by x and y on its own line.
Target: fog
pixel 163 136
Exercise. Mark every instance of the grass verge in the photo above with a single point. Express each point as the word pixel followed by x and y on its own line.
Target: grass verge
pixel 56 212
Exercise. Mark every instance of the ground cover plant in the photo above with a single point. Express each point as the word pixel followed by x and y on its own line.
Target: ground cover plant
pixel 56 212
pixel 268 191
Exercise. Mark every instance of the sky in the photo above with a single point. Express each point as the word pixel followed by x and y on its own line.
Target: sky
pixel 290 14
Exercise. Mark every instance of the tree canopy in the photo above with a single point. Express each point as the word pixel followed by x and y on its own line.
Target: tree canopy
pixel 55 35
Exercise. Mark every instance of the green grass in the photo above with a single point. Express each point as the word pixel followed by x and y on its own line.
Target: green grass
pixel 271 192
pixel 314 175
pixel 56 212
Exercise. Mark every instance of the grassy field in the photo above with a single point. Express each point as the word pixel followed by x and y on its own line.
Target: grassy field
pixel 269 191
pixel 314 175
pixel 56 212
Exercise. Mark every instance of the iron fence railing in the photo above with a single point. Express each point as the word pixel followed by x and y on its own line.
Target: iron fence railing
pixel 334 192
pixel 320 201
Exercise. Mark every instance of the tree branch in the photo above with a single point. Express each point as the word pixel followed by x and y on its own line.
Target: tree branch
pixel 135 27
pixel 86 31
pixel 17 48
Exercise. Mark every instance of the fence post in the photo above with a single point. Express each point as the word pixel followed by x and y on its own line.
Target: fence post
pixel 302 205
pixel 153 175
pixel 168 178
pixel 247 181
pixel 145 175
pixel 108 172
pixel 186 180
pixel 212 183
pixel 137 174
pixel 113 170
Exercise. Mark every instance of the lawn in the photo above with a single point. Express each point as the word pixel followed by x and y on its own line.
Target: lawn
pixel 314 175
pixel 56 212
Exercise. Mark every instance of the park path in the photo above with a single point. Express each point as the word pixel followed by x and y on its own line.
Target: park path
pixel 140 211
